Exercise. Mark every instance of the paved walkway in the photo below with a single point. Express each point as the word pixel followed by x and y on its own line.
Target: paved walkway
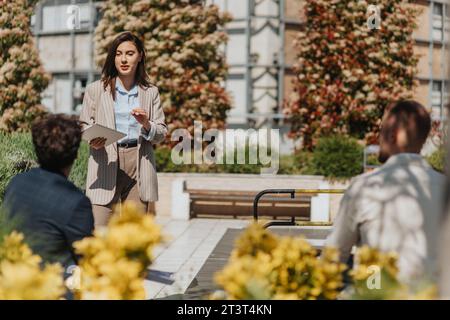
pixel 189 245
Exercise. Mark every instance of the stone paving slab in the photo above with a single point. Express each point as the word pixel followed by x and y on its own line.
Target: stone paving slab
pixel 188 245
pixel 203 284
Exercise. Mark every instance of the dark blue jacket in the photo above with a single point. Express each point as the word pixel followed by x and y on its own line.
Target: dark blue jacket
pixel 51 211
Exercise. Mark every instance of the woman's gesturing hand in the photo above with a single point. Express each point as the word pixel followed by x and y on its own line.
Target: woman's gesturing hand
pixel 141 116
pixel 97 143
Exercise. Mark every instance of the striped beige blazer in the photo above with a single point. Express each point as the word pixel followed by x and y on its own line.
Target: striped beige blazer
pixel 98 106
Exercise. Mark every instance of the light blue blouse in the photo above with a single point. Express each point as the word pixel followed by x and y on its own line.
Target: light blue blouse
pixel 125 121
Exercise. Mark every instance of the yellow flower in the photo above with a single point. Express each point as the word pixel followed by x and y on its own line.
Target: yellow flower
pixel 114 261
pixel 255 239
pixel 246 277
pixel 370 260
pixel 13 249
pixel 22 278
pixel 282 268
pixel 366 257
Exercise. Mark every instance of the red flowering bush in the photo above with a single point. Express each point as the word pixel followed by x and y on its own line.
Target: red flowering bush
pixel 347 72
pixel 22 78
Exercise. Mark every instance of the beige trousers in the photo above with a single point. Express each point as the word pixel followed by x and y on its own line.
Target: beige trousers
pixel 126 187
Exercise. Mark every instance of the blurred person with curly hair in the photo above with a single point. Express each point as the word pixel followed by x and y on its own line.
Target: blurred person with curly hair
pixel 52 212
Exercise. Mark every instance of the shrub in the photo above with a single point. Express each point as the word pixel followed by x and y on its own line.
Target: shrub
pixel 165 164
pixel 235 167
pixel 16 156
pixel 337 157
pixel 437 159
pixel 79 169
pixel 372 160
pixel 298 163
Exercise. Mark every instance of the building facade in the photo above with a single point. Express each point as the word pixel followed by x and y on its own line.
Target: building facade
pixel 64 31
pixel 260 54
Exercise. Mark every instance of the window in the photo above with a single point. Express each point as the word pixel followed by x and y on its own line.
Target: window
pixel 436 94
pixel 437 9
pixel 437 22
pixel 439 98
pixel 78 92
pixel 60 17
pixel 85 16
pixel 33 21
pixel 57 95
pixel 446 98
pixel 446 21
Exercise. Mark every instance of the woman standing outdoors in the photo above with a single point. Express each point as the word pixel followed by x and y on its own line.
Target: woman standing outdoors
pixel 123 100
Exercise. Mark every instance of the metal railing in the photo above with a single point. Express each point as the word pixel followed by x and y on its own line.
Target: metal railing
pixel 293 193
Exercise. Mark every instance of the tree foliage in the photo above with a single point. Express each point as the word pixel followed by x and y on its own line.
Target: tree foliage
pixel 22 78
pixel 346 72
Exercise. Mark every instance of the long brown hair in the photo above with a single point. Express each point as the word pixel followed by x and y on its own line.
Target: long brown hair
pixel 109 71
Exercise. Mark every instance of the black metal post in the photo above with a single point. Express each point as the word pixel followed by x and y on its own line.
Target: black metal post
pixel 269 191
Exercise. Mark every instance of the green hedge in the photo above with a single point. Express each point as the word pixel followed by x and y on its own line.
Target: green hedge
pixel 16 155
pixel 337 157
pixel 298 163
pixel 334 157
pixel 437 159
pixel 165 164
pixel 79 168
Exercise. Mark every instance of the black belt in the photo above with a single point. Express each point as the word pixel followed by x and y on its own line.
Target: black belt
pixel 128 143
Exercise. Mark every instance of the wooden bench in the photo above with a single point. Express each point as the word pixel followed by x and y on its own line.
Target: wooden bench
pixel 294 193
pixel 233 203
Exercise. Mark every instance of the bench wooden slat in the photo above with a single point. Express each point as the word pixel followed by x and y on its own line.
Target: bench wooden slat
pixel 250 204
pixel 240 203
pixel 200 209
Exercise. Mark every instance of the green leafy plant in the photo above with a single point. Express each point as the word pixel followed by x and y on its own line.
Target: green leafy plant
pixel 337 157
pixel 297 163
pixel 437 159
pixel 16 155
pixel 79 169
